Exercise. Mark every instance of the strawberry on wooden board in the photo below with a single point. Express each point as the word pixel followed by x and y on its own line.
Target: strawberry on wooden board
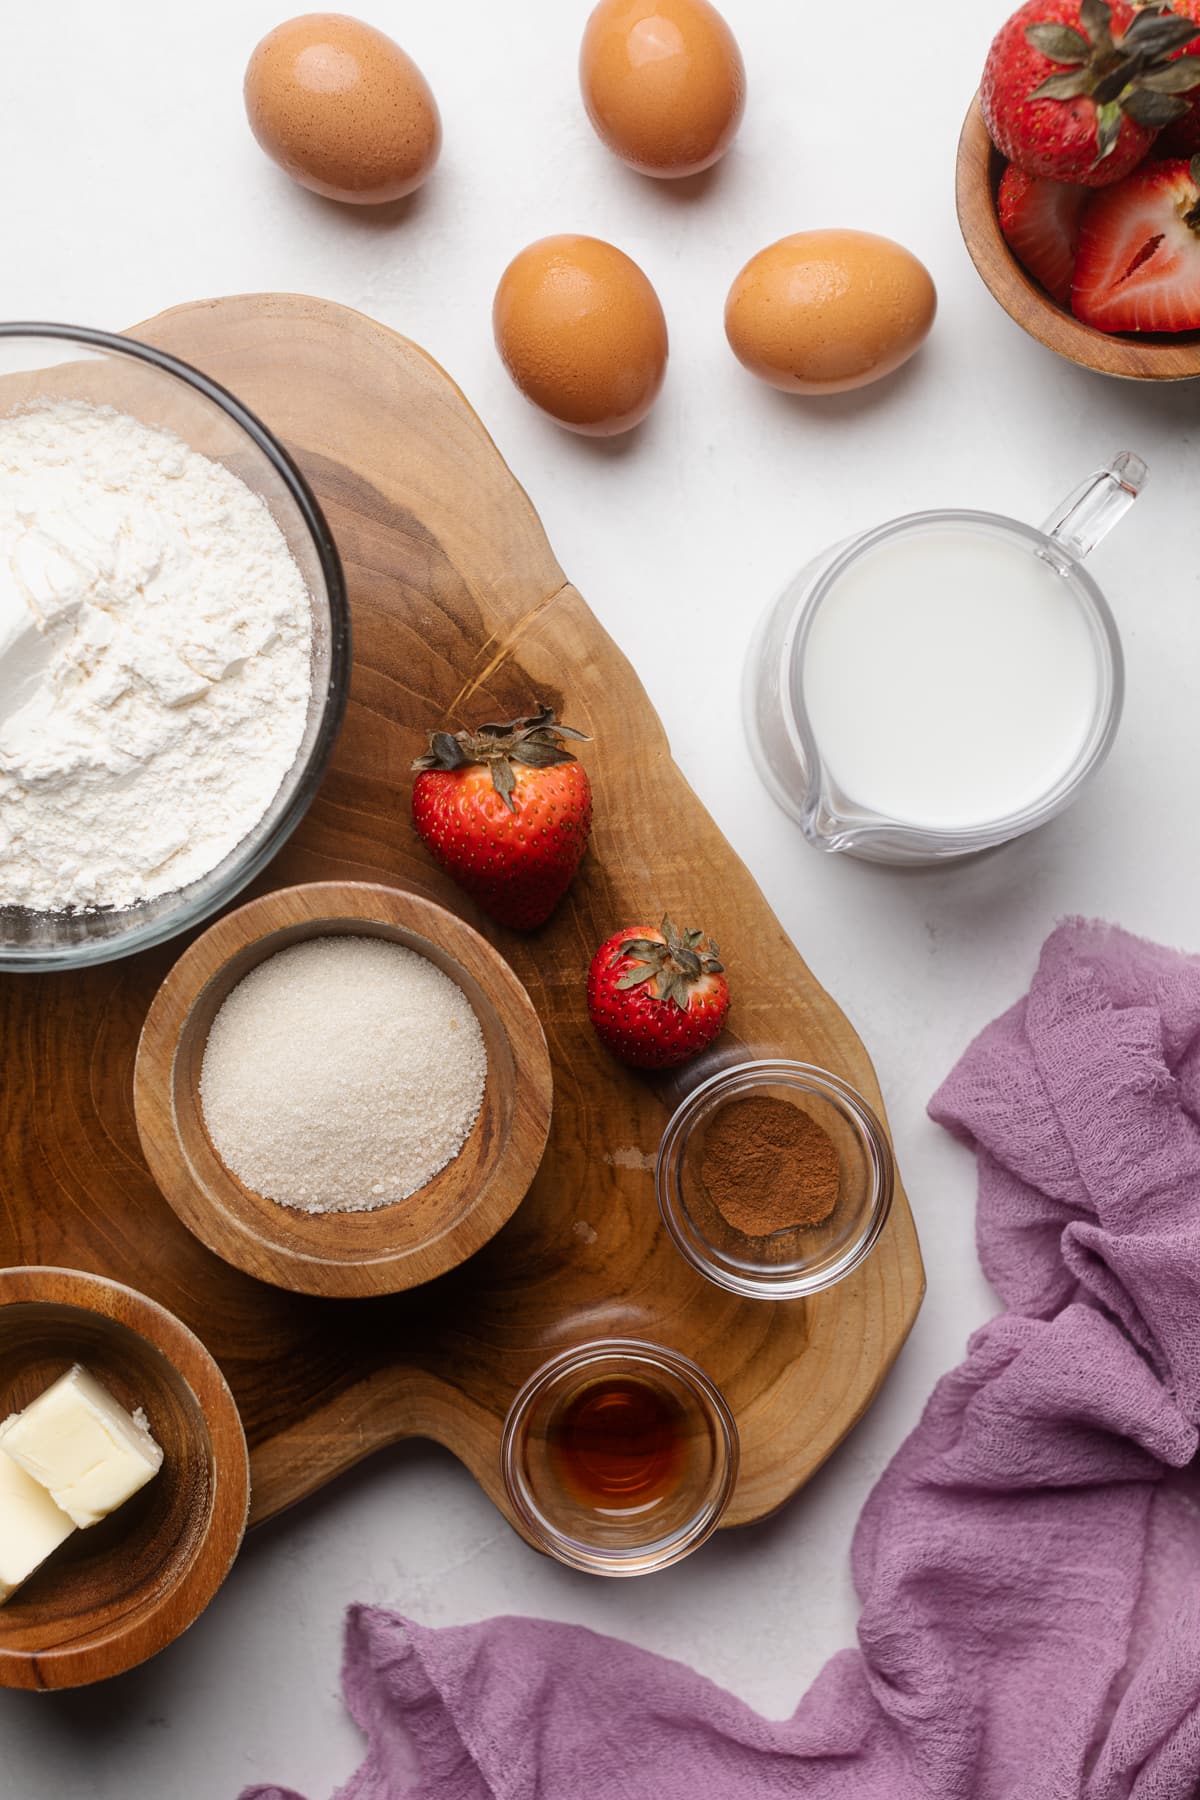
pixel 1040 222
pixel 506 810
pixel 1077 90
pixel 657 997
pixel 1138 267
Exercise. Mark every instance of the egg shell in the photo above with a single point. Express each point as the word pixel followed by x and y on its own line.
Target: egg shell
pixel 342 109
pixel 663 82
pixel 582 333
pixel 823 311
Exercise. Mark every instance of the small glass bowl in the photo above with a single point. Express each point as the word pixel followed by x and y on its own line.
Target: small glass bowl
pixel 800 1259
pixel 40 362
pixel 631 1523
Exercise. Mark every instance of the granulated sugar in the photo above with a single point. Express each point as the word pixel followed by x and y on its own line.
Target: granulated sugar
pixel 342 1074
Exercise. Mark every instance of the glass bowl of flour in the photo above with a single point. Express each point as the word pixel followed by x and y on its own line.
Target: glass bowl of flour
pixel 174 646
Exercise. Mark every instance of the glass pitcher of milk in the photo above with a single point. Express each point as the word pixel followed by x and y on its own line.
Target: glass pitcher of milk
pixel 944 682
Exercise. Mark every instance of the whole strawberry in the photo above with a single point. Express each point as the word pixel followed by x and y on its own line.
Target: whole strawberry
pixel 506 810
pixel 1182 136
pixel 657 997
pixel 1077 90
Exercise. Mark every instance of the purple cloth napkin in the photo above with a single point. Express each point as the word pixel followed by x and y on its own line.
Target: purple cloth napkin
pixel 1029 1565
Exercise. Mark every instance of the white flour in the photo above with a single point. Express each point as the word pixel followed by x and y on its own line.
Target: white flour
pixel 155 642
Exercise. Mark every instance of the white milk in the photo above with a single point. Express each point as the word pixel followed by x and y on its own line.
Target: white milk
pixel 950 678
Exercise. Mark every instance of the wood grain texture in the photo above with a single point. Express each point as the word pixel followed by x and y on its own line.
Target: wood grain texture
pixel 125 1588
pixel 460 614
pixel 1151 358
pixel 394 1247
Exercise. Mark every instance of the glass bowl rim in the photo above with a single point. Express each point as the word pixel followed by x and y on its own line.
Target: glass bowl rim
pixel 172 921
pixel 854 1109
pixel 663 1552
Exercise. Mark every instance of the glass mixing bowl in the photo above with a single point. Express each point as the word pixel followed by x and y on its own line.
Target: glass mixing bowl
pixel 70 362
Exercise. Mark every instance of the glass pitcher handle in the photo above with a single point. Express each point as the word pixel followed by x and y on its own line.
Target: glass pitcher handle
pixel 1090 513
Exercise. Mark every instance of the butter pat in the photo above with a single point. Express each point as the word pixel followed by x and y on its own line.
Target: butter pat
pixel 31 1526
pixel 83 1447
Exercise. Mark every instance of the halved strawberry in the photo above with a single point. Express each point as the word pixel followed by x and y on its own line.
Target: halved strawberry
pixel 1040 222
pixel 1138 267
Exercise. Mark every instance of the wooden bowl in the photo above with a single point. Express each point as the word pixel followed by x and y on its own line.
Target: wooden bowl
pixel 1153 357
pixel 124 1589
pixel 343 1253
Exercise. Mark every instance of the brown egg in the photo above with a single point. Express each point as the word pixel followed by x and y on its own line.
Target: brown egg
pixel 822 311
pixel 581 333
pixel 342 109
pixel 663 82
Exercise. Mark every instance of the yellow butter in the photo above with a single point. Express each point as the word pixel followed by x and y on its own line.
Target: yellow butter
pixel 31 1525
pixel 82 1446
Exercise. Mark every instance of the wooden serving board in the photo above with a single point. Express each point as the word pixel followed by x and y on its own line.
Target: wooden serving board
pixel 460 614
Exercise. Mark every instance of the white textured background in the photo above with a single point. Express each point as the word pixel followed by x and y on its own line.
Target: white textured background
pixel 129 182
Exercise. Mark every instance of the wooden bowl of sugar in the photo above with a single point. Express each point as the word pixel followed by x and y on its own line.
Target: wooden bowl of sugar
pixel 327 1235
pixel 119 1591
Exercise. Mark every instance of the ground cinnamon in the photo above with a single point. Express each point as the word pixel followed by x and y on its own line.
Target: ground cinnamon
pixel 768 1166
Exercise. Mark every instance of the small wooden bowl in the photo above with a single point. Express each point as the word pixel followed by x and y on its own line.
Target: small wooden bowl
pixel 124 1589
pixel 1174 357
pixel 343 1253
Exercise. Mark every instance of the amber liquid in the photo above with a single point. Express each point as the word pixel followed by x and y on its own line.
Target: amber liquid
pixel 619 1445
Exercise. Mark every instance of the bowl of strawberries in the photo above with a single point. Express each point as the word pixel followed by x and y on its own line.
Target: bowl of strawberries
pixel 1079 181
